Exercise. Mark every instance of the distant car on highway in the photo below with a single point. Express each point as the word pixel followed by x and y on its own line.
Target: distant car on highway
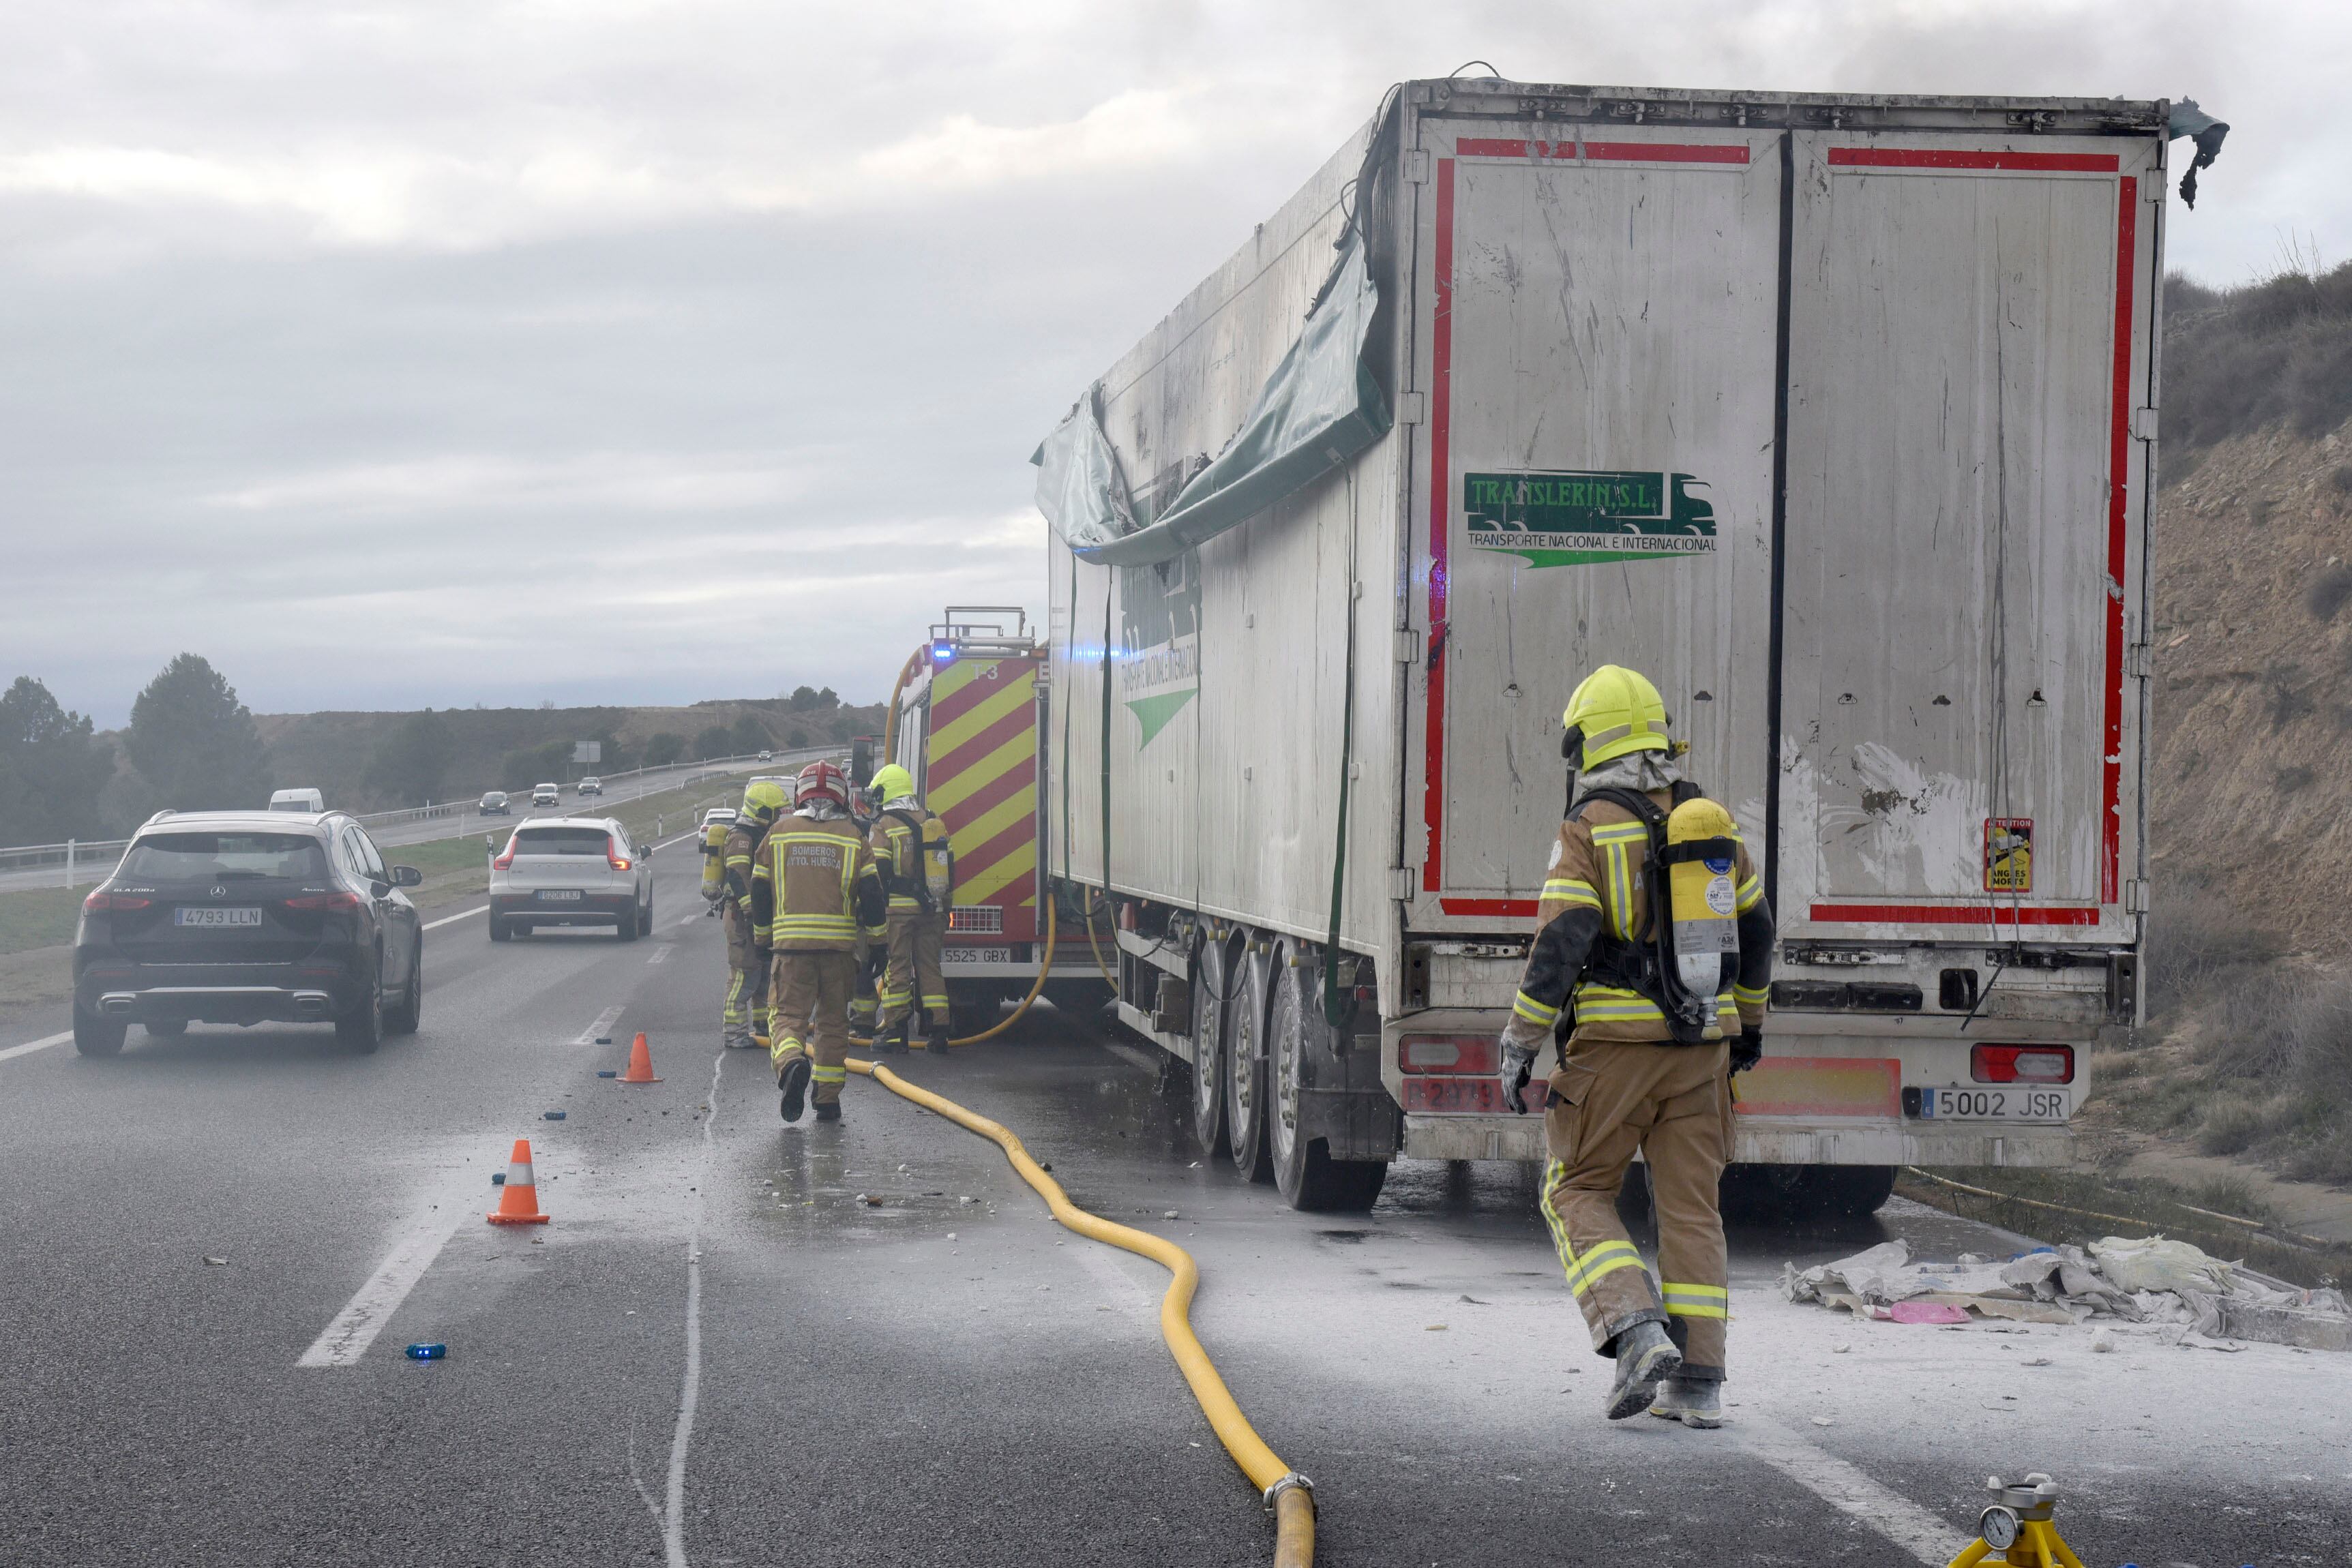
pixel 767 756
pixel 495 804
pixel 306 799
pixel 592 785
pixel 248 918
pixel 571 870
pixel 719 814
pixel 545 795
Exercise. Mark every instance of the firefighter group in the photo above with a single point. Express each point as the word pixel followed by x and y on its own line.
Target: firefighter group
pixel 836 914
pixel 1647 977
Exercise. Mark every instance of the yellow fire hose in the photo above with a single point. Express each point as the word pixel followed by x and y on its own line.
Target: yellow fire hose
pixel 1289 1494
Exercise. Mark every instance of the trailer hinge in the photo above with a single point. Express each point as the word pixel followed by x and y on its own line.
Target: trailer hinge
pixel 2136 895
pixel 2143 424
pixel 1408 645
pixel 1416 166
pixel 1409 408
pixel 1402 883
pixel 2139 661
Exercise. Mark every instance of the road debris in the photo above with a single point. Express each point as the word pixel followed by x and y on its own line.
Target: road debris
pixel 217 1262
pixel 2190 1298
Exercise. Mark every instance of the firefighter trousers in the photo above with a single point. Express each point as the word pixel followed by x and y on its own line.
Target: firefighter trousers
pixel 747 979
pixel 1673 1104
pixel 918 941
pixel 864 1003
pixel 809 1006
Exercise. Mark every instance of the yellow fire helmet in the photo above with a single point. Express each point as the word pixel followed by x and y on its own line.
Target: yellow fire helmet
pixel 1612 712
pixel 892 782
pixel 763 799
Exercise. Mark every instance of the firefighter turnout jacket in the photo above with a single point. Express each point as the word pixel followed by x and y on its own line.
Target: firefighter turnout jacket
pixel 814 888
pixel 918 865
pixel 1595 902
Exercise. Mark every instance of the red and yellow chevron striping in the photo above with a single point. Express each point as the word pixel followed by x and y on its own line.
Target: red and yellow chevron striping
pixel 981 779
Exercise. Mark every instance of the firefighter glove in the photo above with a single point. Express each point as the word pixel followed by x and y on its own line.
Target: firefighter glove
pixel 1518 1066
pixel 1748 1050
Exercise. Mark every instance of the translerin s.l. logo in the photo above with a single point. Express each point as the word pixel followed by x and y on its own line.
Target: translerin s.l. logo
pixel 1580 517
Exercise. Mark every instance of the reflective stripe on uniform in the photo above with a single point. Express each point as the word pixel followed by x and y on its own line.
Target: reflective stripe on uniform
pixel 1571 890
pixel 1696 1300
pixel 1750 892
pixel 1605 1259
pixel 1534 1011
pixel 828 1075
pixel 1614 1004
pixel 1751 996
pixel 791 926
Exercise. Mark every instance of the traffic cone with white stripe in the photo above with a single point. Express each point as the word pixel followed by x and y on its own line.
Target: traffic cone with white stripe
pixel 518 1202
pixel 641 1062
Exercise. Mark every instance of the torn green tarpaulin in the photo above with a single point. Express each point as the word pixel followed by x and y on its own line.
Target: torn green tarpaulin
pixel 1321 406
pixel 2193 122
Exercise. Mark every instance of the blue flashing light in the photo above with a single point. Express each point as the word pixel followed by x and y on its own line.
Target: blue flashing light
pixel 943 653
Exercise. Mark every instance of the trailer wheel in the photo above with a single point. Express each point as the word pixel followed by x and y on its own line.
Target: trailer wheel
pixel 1246 1076
pixel 1209 1023
pixel 1304 1171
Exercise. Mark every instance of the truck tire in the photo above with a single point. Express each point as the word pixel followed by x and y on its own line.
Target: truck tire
pixel 973 1012
pixel 1850 1192
pixel 1246 1076
pixel 1209 1024
pixel 1304 1171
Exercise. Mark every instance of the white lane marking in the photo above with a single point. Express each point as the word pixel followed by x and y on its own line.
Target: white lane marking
pixel 659 954
pixel 346 1339
pixel 689 1392
pixel 1846 1488
pixel 1128 1053
pixel 602 1026
pixel 692 919
pixel 452 919
pixel 31 1046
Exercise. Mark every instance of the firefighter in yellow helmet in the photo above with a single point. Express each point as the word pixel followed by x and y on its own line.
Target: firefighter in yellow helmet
pixel 746 1013
pixel 1649 971
pixel 917 864
pixel 812 887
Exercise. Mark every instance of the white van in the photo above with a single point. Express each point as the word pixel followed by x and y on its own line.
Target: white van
pixel 308 800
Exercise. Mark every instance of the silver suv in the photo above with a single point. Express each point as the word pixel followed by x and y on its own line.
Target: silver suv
pixel 571 870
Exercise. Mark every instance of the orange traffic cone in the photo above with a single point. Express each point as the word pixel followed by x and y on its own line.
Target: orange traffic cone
pixel 641 1062
pixel 518 1202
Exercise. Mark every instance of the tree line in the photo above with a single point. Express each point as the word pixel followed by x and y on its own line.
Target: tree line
pixel 191 746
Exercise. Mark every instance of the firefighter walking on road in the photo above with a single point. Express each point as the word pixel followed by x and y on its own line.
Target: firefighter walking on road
pixel 918 865
pixel 1649 972
pixel 812 887
pixel 746 1013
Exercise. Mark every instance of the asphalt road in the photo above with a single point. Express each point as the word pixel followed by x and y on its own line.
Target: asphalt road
pixel 720 1353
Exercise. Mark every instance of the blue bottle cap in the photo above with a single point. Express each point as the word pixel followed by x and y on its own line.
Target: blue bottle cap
pixel 427 1352
pixel 555 1116
pixel 608 1073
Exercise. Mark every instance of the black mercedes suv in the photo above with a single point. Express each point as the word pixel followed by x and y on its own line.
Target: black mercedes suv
pixel 246 917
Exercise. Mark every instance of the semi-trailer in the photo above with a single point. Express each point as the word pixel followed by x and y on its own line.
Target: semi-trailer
pixel 1835 415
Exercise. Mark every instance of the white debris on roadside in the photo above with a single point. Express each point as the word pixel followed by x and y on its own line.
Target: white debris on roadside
pixel 2191 1299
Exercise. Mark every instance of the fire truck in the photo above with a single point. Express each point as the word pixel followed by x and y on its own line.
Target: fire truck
pixel 967 720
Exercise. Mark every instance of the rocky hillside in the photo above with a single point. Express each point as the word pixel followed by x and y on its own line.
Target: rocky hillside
pixel 2254 687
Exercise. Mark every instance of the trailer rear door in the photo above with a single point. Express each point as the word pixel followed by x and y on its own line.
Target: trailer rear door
pixel 1967 523
pixel 1598 328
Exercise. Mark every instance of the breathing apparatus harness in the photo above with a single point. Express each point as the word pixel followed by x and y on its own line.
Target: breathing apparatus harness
pixel 917 885
pixel 1689 951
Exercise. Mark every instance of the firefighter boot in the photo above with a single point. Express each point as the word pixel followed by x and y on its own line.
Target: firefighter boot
pixel 1644 1356
pixel 937 1044
pixel 830 1111
pixel 792 1078
pixel 1693 1401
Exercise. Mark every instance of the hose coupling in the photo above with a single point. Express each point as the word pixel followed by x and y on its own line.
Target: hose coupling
pixel 1293 1481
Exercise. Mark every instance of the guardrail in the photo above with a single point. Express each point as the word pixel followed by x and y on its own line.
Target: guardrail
pixel 78 860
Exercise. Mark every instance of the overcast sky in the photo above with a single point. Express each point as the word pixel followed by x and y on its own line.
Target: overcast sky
pixel 422 353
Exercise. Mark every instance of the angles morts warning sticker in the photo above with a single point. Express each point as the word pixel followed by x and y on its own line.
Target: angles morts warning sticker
pixel 1578 516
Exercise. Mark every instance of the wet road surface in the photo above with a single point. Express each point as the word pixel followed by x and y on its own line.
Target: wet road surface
pixel 721 1352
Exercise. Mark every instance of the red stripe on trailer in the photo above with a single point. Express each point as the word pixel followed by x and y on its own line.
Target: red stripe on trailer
pixel 1950 915
pixel 1019 720
pixel 1441 417
pixel 1519 907
pixel 1604 152
pixel 1957 158
pixel 2118 516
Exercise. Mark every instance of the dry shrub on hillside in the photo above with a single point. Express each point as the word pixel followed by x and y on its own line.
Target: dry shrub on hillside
pixel 2278 352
